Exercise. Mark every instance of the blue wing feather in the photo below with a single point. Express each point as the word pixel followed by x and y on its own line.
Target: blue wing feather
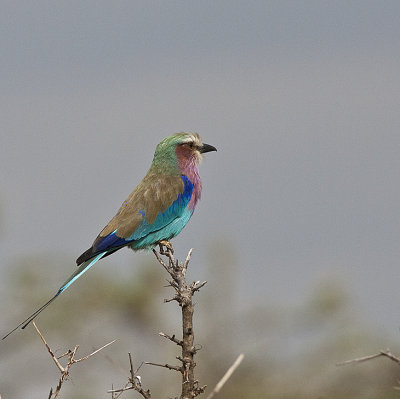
pixel 110 241
pixel 170 214
pixel 144 235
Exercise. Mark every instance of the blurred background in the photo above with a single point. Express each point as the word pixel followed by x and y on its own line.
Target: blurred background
pixel 298 228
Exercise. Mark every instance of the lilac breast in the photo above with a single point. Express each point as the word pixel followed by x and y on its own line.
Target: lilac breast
pixel 189 169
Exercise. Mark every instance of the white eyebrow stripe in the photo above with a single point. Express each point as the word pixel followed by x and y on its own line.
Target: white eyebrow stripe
pixel 195 139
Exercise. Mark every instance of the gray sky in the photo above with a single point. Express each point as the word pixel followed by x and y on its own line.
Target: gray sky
pixel 300 98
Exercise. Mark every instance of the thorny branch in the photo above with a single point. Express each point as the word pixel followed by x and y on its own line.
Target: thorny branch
pixel 71 360
pixel 183 295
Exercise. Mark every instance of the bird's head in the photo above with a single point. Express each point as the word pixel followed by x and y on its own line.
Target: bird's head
pixel 181 149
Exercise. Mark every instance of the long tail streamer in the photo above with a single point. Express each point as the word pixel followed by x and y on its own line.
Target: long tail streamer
pixel 85 266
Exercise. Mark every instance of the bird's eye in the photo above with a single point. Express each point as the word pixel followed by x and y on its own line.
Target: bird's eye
pixel 191 145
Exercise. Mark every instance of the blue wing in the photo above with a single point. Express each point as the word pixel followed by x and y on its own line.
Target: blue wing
pixel 165 226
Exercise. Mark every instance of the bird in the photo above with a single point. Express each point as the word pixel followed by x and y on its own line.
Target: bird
pixel 156 210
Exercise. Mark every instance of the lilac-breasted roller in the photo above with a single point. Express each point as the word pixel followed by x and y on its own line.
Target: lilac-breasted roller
pixel 156 210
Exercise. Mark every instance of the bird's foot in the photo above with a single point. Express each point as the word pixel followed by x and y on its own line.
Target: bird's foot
pixel 166 244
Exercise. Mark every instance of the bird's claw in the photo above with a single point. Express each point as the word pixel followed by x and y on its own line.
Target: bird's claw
pixel 166 244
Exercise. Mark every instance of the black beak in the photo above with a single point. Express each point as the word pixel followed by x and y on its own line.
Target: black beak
pixel 206 148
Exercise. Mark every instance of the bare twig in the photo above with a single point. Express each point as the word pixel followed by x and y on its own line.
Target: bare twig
pixel 226 376
pixel 71 360
pixel 195 286
pixel 58 364
pixel 63 355
pixel 187 260
pixel 134 382
pixel 385 353
pixel 166 365
pixel 171 338
pixel 93 353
